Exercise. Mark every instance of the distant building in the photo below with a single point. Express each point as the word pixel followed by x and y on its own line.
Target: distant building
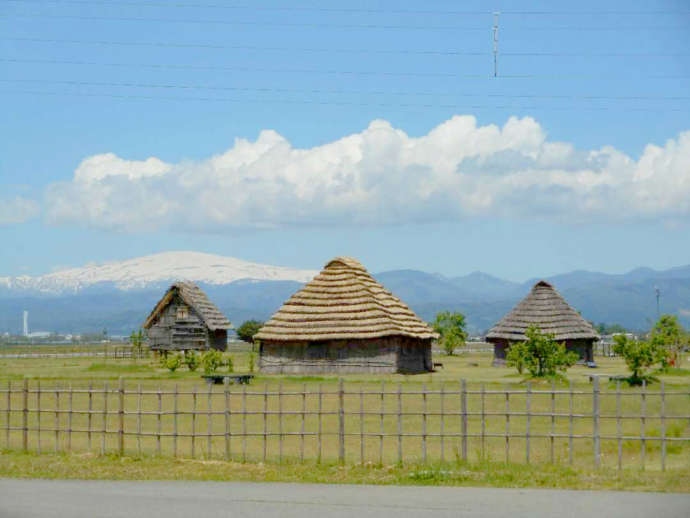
pixel 344 321
pixel 185 319
pixel 545 308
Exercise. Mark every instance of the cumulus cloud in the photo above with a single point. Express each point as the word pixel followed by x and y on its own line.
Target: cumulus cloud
pixel 381 176
pixel 17 210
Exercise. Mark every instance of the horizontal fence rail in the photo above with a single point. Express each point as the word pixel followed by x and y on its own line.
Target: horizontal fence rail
pixel 354 422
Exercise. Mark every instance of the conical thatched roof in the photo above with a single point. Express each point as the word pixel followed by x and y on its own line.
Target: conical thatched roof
pixel 343 302
pixel 195 298
pixel 546 308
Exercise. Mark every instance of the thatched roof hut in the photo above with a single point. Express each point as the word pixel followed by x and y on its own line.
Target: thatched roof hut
pixel 345 321
pixel 185 319
pixel 546 308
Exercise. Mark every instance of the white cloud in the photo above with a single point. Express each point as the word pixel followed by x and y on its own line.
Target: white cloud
pixel 17 210
pixel 381 176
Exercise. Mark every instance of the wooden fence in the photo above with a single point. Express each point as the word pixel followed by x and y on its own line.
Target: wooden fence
pixel 355 422
pixel 106 352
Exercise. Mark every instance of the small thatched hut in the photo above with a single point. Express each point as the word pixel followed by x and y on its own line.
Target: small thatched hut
pixel 547 309
pixel 345 321
pixel 184 319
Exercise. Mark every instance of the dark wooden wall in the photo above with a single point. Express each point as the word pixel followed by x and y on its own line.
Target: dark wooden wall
pixel 171 333
pixel 383 355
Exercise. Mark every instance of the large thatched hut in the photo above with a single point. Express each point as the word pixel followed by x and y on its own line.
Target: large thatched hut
pixel 546 308
pixel 185 319
pixel 345 321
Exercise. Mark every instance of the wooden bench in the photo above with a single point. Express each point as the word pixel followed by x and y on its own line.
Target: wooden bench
pixel 240 379
pixel 438 364
pixel 610 377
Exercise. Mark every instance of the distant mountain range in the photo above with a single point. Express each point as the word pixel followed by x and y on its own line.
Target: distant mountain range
pixel 118 296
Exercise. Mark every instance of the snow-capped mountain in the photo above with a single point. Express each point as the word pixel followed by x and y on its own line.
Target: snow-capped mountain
pixel 154 269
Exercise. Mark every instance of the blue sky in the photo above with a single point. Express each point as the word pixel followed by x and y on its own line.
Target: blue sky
pixel 290 132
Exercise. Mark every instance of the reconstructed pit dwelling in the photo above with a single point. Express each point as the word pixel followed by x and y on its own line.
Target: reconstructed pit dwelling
pixel 545 308
pixel 186 320
pixel 343 321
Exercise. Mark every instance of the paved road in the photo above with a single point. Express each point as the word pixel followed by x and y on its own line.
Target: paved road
pixel 138 499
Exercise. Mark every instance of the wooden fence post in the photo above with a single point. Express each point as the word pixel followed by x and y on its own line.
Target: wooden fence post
pixel 304 410
pixel 528 394
pixel 265 442
pixel 507 424
pixel 595 421
pixel 619 432
pixel 400 425
pixel 341 422
pixel 226 387
pixel 570 422
pixel 25 415
pixel 38 417
pixel 69 418
pixel 57 418
pixel 320 422
pixel 442 420
pixel 139 419
pixel 105 417
pixel 361 424
pixel 643 414
pixel 280 422
pixel 175 421
pixel 244 423
pixel 463 412
pixel 553 420
pixel 483 418
pixel 121 415
pixel 89 416
pixel 382 423
pixel 209 422
pixel 8 414
pixel 663 428
pixel 424 411
pixel 193 445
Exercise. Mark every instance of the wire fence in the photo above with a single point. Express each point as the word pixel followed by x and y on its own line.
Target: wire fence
pixel 355 422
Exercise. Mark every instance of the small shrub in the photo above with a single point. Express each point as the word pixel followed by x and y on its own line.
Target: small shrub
pixel 211 361
pixel 252 359
pixel 172 362
pixel 191 360
pixel 517 357
pixel 540 354
pixel 639 356
pixel 228 363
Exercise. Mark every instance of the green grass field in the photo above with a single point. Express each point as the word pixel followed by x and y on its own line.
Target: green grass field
pixel 475 368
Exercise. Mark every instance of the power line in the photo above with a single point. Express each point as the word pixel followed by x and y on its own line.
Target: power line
pixel 613 28
pixel 317 71
pixel 346 9
pixel 340 50
pixel 347 92
pixel 243 22
pixel 251 47
pixel 333 103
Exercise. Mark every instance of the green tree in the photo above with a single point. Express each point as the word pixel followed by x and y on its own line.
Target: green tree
pixel 211 361
pixel 248 329
pixel 639 356
pixel 451 327
pixel 172 362
pixel 191 360
pixel 669 335
pixel 540 354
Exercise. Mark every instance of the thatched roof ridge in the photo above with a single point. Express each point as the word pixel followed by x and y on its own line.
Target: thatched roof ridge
pixel 546 308
pixel 196 299
pixel 343 302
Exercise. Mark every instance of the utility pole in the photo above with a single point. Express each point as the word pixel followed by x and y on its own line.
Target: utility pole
pixel 657 291
pixel 496 13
